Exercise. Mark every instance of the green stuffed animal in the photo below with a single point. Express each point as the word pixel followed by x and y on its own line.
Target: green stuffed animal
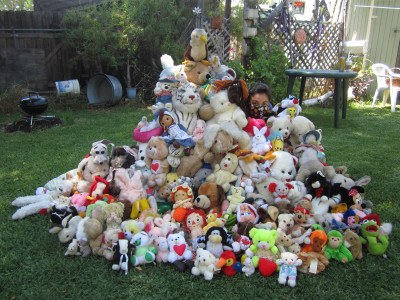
pixel 376 244
pixel 335 248
pixel 263 245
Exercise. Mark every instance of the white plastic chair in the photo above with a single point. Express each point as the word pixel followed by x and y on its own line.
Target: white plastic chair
pixel 383 72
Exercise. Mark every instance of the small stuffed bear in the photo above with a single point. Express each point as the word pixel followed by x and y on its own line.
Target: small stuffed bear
pixel 205 264
pixel 163 91
pixel 223 173
pixel 281 191
pixel 156 161
pixel 289 263
pixel 235 199
pixel 179 249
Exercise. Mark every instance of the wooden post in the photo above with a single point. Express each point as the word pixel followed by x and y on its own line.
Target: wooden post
pixel 371 10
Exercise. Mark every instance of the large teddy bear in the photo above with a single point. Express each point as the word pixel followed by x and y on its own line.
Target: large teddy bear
pixel 227 117
pixel 224 172
pixel 156 161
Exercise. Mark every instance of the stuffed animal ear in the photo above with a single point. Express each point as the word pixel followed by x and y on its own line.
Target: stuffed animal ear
pixel 363 181
pixel 122 178
pixel 290 186
pixel 295 160
pixel 55 230
pixel 273 212
pixel 270 121
pixel 256 131
pixel 149 226
pixel 159 222
pixel 221 194
pixel 263 130
pixel 272 187
pixel 274 234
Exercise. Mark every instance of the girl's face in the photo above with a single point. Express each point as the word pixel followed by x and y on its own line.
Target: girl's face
pixel 259 100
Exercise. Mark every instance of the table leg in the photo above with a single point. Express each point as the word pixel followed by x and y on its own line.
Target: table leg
pixel 302 86
pixel 290 85
pixel 336 98
pixel 345 88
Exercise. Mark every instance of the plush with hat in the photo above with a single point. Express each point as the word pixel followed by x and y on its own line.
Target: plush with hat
pixel 194 222
pixel 173 132
pixel 165 87
pixel 247 212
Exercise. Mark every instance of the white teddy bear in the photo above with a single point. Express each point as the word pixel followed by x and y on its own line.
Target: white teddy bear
pixel 223 173
pixel 204 264
pixel 235 199
pixel 229 118
pixel 178 248
pixel 289 263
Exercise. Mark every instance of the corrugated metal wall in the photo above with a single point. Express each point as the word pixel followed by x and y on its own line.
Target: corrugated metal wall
pixel 385 29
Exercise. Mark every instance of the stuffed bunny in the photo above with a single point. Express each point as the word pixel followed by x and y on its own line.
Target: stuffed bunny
pixel 260 145
pixel 131 188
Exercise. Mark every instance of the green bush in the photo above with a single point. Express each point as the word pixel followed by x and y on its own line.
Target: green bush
pixel 266 63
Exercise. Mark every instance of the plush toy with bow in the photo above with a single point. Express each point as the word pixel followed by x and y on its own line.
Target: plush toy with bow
pixel 280 191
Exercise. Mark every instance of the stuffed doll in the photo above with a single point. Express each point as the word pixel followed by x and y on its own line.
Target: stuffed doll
pixel 205 264
pixel 199 130
pixel 223 173
pixel 288 272
pixel 156 161
pixel 235 199
pixel 145 252
pixel 164 90
pixel 112 214
pixel 354 199
pixel 263 252
pixel 194 222
pixel 182 197
pixel 173 133
pixel 122 254
pixel 247 212
pixel 335 248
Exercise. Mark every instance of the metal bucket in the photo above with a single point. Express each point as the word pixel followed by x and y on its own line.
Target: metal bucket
pixel 68 87
pixel 104 89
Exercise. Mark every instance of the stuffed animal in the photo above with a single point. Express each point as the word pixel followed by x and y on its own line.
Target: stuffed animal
pixel 178 247
pixel 324 220
pixel 354 197
pixel 199 130
pixel 280 124
pixel 263 251
pixel 161 244
pixel 371 236
pixel 314 258
pixel 300 126
pixel 223 173
pixel 352 241
pixel 131 227
pixel 122 254
pixel 201 175
pixel 228 264
pixel 248 267
pixel 73 248
pixel 169 69
pixel 235 199
pixel 186 104
pixel 197 49
pixel 335 248
pixel 145 252
pixel 246 212
pixel 131 188
pixel 191 163
pixel 288 272
pixel 227 117
pixel 30 205
pixel 66 232
pixel 109 240
pixel 216 241
pixel 182 197
pixel 205 264
pixel 280 191
pixel 268 216
pixel 197 73
pixel 260 145
pixel 194 222
pixel 139 206
pixel 164 90
pixel 288 107
pixel 156 161
pixel 166 224
pixel 300 233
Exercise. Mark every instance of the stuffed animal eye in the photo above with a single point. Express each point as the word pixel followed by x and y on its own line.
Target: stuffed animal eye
pixel 229 159
pixel 279 129
pixel 102 152
pixel 290 172
pixel 97 152
pixel 283 172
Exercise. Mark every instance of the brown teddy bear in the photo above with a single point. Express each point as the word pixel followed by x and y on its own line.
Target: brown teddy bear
pixel 210 197
pixel 190 164
pixel 156 161
pixel 197 72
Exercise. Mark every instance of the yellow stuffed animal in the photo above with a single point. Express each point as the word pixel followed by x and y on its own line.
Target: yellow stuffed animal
pixel 223 173
pixel 212 220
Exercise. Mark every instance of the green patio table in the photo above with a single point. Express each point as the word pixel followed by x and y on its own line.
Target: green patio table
pixel 341 86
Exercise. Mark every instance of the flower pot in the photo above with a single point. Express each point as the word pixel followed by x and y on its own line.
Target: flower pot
pixel 131 93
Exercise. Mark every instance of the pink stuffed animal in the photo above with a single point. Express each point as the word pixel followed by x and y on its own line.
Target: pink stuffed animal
pixel 199 130
pixel 165 224
pixel 162 249
pixel 131 188
pixel 280 190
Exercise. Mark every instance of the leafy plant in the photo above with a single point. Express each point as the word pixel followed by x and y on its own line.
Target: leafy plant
pixel 363 80
pixel 266 63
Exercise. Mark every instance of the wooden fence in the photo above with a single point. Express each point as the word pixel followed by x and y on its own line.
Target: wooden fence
pixel 31 50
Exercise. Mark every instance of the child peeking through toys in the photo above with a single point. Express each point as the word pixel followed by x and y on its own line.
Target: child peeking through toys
pixel 174 133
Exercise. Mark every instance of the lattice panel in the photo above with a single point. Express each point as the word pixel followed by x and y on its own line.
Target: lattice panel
pixel 218 40
pixel 320 50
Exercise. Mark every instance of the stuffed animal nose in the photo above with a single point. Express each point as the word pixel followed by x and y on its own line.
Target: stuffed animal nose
pixel 192 97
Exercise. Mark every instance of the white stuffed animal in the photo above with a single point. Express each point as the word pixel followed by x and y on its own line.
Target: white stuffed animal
pixel 288 272
pixel 260 145
pixel 229 118
pixel 178 248
pixel 30 205
pixel 68 228
pixel 205 264
pixel 73 248
pixel 248 267
pixel 235 199
pixel 281 191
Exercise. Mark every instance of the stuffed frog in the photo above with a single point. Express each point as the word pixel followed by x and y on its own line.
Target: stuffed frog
pixel 376 244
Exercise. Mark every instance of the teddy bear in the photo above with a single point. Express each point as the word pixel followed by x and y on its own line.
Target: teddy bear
pixel 164 90
pixel 186 104
pixel 280 191
pixel 145 252
pixel 288 271
pixel 223 144
pixel 310 163
pixel 260 145
pixel 285 223
pixel 263 250
pixel 178 248
pixel 109 240
pixel 283 242
pixel 223 173
pixel 205 264
pixel 280 124
pixel 191 163
pixel 235 198
pixel 156 161
pixel 131 227
pixel 352 241
pixel 212 220
pixel 300 126
pixel 201 175
pixel 299 233
pixel 197 72
pixel 227 117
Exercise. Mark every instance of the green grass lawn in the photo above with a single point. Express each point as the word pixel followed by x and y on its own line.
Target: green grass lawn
pixel 33 265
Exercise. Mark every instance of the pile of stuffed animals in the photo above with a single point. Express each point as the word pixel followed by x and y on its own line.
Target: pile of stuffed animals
pixel 199 193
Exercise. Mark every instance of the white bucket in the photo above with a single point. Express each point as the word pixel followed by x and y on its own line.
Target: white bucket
pixel 68 87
